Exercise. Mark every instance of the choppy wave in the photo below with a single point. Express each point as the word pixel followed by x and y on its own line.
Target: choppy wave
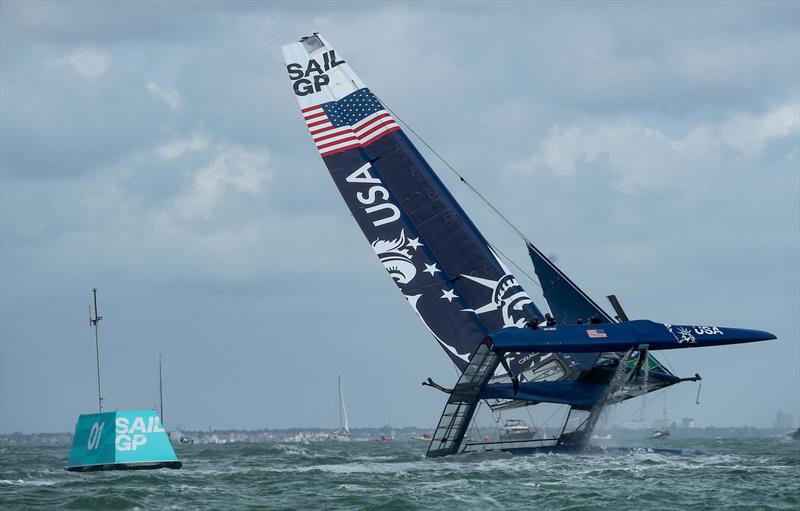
pixel 745 474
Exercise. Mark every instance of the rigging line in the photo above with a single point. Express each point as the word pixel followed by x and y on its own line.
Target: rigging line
pixel 476 192
pixel 475 420
pixel 455 367
pixel 515 265
pixel 545 423
pixel 460 177
pixel 499 415
pixel 528 409
pixel 669 363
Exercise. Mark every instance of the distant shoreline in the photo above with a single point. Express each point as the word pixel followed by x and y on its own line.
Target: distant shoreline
pixel 219 436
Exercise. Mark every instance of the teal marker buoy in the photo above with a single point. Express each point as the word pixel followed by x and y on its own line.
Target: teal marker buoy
pixel 121 440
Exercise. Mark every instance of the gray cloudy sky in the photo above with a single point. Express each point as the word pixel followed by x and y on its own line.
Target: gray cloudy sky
pixel 155 151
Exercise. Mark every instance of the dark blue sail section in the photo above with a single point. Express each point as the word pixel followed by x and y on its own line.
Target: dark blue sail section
pixel 567 302
pixel 439 260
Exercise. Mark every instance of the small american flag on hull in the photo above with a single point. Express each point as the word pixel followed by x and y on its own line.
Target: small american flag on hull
pixel 596 333
pixel 356 120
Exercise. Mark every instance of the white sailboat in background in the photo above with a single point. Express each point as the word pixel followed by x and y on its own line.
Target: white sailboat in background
pixel 661 426
pixel 177 435
pixel 343 433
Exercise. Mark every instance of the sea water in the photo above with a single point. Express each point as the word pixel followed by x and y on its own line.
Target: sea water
pixel 753 473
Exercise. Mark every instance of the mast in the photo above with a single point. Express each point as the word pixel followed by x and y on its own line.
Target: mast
pixel 343 425
pixel 93 321
pixel 160 393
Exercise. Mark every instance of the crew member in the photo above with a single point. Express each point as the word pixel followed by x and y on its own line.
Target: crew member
pixel 595 319
pixel 551 321
pixel 533 323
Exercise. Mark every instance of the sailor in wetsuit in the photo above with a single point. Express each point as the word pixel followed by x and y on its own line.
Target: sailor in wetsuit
pixel 595 319
pixel 533 323
pixel 549 319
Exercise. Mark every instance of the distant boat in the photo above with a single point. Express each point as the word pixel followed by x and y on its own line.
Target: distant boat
pixel 385 439
pixel 182 438
pixel 661 427
pixel 343 433
pixel 517 429
pixel 795 435
pixel 425 436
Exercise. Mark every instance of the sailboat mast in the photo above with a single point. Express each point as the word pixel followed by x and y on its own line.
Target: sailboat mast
pixel 160 392
pixel 344 425
pixel 93 321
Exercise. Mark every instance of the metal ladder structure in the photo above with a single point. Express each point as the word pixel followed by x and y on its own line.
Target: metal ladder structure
pixel 457 415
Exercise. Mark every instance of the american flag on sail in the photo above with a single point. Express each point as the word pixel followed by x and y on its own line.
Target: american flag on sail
pixel 356 120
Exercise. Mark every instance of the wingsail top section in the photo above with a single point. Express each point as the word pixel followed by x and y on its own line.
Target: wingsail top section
pixel 567 301
pixel 338 109
pixel 440 261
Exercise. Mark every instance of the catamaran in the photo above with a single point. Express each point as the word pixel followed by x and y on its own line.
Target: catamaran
pixel 509 354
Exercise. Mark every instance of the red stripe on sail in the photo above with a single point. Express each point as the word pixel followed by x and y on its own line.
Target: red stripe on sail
pixel 331 135
pixel 376 128
pixel 390 130
pixel 317 123
pixel 337 142
pixel 320 130
pixel 356 127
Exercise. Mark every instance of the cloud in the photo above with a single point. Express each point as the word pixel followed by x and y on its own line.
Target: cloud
pixel 749 133
pixel 171 98
pixel 641 156
pixel 178 147
pixel 89 62
pixel 234 169
pixel 154 186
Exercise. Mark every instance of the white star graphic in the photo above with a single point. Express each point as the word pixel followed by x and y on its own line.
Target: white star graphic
pixel 431 268
pixel 449 295
pixel 414 243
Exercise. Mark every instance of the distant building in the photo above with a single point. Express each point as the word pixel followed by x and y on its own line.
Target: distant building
pixel 784 420
pixel 687 422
